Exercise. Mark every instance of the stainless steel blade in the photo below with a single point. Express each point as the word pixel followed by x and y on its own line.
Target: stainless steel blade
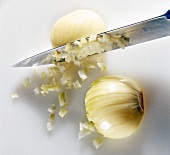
pixel 137 33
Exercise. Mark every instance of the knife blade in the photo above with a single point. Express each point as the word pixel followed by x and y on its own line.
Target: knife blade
pixel 140 32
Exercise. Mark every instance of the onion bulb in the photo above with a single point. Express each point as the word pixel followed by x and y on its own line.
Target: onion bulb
pixel 75 25
pixel 115 105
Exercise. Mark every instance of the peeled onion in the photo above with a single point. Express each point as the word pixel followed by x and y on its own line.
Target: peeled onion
pixel 115 105
pixel 75 25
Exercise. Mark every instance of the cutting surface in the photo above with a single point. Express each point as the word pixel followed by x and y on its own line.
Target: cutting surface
pixel 25 30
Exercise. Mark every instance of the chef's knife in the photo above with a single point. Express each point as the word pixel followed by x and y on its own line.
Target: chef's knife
pixel 140 32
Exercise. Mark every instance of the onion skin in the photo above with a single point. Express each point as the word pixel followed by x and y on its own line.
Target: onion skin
pixel 75 25
pixel 115 105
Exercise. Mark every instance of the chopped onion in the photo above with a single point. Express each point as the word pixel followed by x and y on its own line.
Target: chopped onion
pixel 61 69
pixel 44 89
pixel 55 82
pixel 63 81
pixel 51 117
pixel 95 44
pixel 89 66
pixel 87 125
pixel 92 37
pixel 76 84
pixel 27 82
pixel 62 98
pixel 49 126
pixel 83 41
pixel 14 95
pixel 68 46
pixel 62 112
pixel 36 91
pixel 35 68
pixel 97 142
pixel 69 84
pixel 77 42
pixel 77 63
pixel 52 109
pixel 101 66
pixel 68 59
pixel 83 133
pixel 82 74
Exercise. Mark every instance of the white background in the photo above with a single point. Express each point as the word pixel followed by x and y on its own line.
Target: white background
pixel 25 30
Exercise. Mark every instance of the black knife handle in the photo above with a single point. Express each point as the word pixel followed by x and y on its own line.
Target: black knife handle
pixel 167 14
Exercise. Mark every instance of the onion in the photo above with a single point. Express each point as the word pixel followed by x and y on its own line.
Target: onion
pixel 115 105
pixel 75 25
pixel 49 126
pixel 14 95
pixel 62 98
pixel 62 112
pixel 36 91
pixel 97 142
pixel 27 82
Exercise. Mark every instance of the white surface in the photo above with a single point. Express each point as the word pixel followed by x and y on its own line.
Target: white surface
pixel 24 30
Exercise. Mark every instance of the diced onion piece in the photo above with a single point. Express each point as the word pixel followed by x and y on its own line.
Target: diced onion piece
pixel 27 82
pixel 69 84
pixel 83 41
pixel 82 74
pixel 93 37
pixel 94 44
pixel 76 84
pixel 63 81
pixel 36 91
pixel 101 66
pixel 97 142
pixel 55 81
pixel 81 126
pixel 106 37
pixel 87 125
pixel 108 48
pixel 44 89
pixel 68 59
pixel 68 46
pixel 52 109
pixel 43 93
pixel 83 133
pixel 53 88
pixel 35 68
pixel 49 126
pixel 77 42
pixel 61 68
pixel 91 126
pixel 89 66
pixel 62 98
pixel 14 95
pixel 77 63
pixel 62 112
pixel 51 117
pixel 63 55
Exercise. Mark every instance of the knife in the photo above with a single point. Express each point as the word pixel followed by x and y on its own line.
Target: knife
pixel 140 32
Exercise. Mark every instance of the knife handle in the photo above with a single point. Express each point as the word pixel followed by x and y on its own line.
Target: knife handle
pixel 167 14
